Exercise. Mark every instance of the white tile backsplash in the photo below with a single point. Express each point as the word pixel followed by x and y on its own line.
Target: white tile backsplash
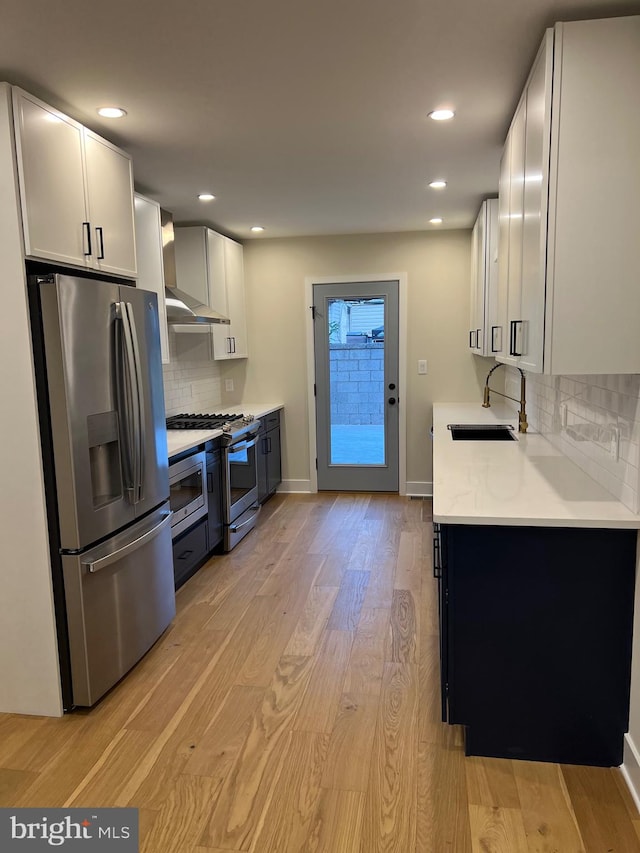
pixel 599 411
pixel 192 381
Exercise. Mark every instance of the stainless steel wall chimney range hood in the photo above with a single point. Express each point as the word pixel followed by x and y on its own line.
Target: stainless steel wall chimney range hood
pixel 182 309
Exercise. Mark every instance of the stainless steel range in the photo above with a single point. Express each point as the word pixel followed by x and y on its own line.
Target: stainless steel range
pixel 239 470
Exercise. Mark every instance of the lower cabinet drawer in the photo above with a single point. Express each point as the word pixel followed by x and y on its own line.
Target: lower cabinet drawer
pixel 189 551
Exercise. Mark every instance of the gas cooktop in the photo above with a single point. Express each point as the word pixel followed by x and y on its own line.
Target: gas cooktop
pixel 216 421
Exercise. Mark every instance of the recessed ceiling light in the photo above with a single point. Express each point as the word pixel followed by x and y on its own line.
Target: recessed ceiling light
pixel 438 185
pixel 441 115
pixel 257 228
pixel 436 220
pixel 111 112
pixel 206 197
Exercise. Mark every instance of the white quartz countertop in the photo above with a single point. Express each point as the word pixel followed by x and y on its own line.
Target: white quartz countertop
pixel 179 440
pixel 525 482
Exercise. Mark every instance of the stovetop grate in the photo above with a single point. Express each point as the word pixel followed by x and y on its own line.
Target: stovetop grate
pixel 202 421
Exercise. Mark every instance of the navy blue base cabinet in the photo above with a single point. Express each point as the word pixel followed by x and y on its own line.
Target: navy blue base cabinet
pixel 535 639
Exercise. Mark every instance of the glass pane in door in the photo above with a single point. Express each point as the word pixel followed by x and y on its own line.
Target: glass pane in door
pixel 355 336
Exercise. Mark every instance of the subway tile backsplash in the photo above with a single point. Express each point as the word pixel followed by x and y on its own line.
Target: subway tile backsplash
pixel 594 420
pixel 192 380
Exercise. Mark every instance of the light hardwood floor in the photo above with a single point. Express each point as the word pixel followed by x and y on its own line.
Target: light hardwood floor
pixel 294 706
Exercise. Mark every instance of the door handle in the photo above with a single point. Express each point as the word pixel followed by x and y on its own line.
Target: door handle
pixel 87 236
pixel 93 566
pixel 100 239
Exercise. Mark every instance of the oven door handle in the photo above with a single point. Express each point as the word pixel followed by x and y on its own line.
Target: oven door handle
pixel 235 527
pixel 242 445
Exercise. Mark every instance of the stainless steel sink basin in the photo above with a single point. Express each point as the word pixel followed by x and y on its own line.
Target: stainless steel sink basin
pixel 482 432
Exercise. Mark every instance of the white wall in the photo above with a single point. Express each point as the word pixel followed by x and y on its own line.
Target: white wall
pixel 29 675
pixel 438 269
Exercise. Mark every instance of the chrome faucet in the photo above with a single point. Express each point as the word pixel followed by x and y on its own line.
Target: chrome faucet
pixel 522 413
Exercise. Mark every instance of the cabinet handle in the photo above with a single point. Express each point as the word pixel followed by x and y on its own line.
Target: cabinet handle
pixel 437 551
pixel 268 444
pixel 87 238
pixel 234 344
pixel 512 337
pixel 478 338
pixel 185 554
pixel 472 340
pixel 495 329
pixel 100 239
pixel 209 481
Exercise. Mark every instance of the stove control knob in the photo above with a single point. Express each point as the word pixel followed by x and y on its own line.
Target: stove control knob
pixel 226 427
pixel 247 419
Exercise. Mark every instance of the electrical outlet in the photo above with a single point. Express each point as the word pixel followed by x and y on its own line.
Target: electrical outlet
pixel 228 384
pixel 422 366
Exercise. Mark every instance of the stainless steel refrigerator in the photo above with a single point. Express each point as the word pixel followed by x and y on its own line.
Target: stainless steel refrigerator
pixel 102 421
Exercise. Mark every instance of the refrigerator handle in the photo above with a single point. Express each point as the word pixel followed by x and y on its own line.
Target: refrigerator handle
pixel 93 566
pixel 123 392
pixel 128 393
pixel 139 405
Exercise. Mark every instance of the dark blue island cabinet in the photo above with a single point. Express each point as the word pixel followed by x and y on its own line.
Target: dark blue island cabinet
pixel 535 639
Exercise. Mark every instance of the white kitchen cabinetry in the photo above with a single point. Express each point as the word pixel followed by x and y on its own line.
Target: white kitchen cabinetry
pixel 571 256
pixel 485 329
pixel 209 267
pixel 150 263
pixel 76 191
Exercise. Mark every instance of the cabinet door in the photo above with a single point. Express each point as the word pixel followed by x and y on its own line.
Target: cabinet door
pixel 476 300
pixel 149 260
pixel 234 279
pixel 493 321
pixel 110 194
pixel 516 201
pixel 51 177
pixel 216 277
pixel 501 341
pixel 274 469
pixel 263 465
pixel 534 223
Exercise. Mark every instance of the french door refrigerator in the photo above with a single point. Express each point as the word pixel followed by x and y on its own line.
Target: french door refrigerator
pixel 102 422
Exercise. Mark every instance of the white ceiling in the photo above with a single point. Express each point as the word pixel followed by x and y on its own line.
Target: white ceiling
pixel 305 117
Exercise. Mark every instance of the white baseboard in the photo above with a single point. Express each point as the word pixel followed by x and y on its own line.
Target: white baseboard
pixel 294 487
pixel 419 489
pixel 631 769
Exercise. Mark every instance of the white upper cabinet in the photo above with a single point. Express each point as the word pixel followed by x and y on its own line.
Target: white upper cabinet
pixel 572 253
pixel 76 191
pixel 234 277
pixel 111 212
pixel 485 329
pixel 150 262
pixel 209 267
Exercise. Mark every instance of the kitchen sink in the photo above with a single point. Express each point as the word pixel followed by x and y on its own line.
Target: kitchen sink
pixel 482 432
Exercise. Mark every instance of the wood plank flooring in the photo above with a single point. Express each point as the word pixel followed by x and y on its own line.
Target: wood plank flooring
pixel 293 705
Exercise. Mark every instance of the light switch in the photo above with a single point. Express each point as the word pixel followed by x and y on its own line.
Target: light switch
pixel 422 365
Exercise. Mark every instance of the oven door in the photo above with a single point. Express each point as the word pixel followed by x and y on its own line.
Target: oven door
pixel 187 491
pixel 241 477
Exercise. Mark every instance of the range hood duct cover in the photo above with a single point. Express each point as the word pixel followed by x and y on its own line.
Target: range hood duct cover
pixel 182 309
